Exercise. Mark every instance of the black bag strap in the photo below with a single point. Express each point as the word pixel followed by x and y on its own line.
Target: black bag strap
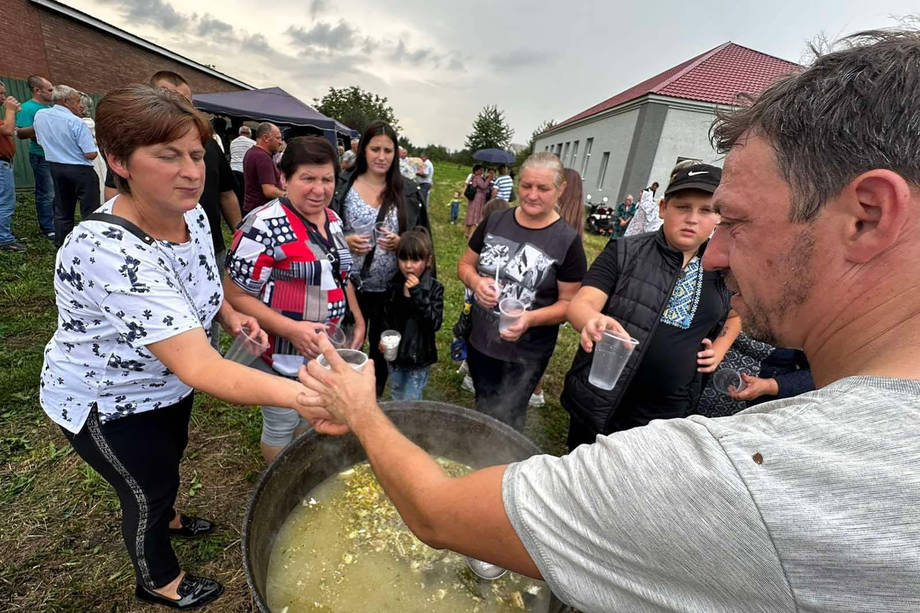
pixel 366 266
pixel 115 220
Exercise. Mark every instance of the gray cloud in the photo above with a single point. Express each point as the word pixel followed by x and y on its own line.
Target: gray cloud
pixel 209 25
pixel 154 12
pixel 402 54
pixel 257 43
pixel 317 7
pixel 339 37
pixel 519 58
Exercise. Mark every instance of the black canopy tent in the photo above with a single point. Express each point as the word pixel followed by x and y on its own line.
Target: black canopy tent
pixel 275 105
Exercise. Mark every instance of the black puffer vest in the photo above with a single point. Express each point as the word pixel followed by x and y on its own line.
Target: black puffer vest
pixel 647 270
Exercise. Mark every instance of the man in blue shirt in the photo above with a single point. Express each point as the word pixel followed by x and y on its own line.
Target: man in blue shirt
pixel 44 187
pixel 69 148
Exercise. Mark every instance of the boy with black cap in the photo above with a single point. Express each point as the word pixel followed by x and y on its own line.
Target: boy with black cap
pixel 652 287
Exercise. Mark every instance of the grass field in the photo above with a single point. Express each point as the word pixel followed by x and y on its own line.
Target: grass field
pixel 60 539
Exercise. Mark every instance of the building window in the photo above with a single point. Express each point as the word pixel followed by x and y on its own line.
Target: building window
pixel 565 153
pixel 603 172
pixel 574 154
pixel 584 163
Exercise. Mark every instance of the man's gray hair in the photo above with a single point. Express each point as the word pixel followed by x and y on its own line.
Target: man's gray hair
pixel 87 103
pixel 245 131
pixel 62 93
pixel 852 111
pixel 264 129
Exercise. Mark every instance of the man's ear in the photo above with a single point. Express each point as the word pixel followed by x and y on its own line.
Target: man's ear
pixel 876 207
pixel 662 205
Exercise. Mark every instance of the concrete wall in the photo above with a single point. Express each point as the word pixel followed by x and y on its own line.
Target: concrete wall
pixel 644 139
pixel 611 134
pixel 685 135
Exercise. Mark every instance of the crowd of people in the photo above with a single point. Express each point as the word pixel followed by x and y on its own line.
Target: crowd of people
pixel 717 514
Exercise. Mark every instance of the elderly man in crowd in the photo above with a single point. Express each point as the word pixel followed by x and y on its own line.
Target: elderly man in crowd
pixel 406 168
pixel 9 107
pixel 424 176
pixel 349 157
pixel 41 89
pixel 261 177
pixel 807 503
pixel 70 149
pixel 238 148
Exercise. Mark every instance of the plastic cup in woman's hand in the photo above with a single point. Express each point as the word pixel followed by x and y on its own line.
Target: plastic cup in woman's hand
pixel 246 347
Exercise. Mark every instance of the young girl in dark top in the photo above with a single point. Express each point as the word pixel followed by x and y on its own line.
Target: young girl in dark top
pixel 414 308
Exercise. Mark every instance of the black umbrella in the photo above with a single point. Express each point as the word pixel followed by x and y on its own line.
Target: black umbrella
pixel 495 156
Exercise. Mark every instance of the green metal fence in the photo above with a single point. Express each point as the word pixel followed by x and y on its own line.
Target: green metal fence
pixel 22 171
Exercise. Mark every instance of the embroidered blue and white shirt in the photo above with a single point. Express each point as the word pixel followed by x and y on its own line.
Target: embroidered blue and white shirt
pixel 685 297
pixel 115 295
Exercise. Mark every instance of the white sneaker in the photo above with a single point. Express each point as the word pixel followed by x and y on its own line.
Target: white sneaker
pixel 468 384
pixel 537 400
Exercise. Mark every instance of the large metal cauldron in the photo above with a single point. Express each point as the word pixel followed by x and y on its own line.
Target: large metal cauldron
pixel 441 429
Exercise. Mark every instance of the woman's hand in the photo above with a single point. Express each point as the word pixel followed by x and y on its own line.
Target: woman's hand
pixel 389 241
pixel 486 292
pixel 233 322
pixel 358 333
pixel 359 244
pixel 305 336
pixel 755 387
pixel 594 330
pixel 513 332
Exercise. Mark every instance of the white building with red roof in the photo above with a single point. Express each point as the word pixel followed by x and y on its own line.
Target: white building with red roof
pixel 634 138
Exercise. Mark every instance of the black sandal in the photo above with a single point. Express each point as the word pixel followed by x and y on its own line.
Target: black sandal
pixel 192 527
pixel 193 593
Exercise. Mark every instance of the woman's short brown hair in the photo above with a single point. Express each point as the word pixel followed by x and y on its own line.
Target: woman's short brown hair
pixel 139 116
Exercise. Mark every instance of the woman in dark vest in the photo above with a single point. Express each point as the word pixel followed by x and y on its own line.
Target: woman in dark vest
pixel 375 193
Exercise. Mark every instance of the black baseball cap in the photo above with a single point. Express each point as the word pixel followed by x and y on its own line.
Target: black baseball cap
pixel 704 177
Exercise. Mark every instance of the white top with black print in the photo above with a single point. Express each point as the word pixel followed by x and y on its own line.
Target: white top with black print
pixel 115 295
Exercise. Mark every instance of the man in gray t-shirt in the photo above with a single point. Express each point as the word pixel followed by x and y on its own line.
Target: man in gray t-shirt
pixel 803 504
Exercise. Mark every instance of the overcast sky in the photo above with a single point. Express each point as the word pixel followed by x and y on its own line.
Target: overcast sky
pixel 439 63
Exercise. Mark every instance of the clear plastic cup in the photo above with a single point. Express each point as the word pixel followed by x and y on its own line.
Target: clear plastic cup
pixel 381 230
pixel 727 381
pixel 336 335
pixel 354 358
pixel 511 310
pixel 610 356
pixel 390 341
pixel 245 349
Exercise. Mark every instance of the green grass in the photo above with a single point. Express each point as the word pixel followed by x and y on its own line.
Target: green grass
pixel 60 538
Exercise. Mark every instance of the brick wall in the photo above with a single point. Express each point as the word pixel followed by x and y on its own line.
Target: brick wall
pixel 36 40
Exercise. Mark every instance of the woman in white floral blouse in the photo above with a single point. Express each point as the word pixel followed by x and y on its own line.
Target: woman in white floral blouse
pixel 137 287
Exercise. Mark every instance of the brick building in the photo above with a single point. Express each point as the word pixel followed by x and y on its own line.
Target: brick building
pixel 71 47
pixel 629 140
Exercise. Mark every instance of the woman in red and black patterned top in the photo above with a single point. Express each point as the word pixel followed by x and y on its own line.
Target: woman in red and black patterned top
pixel 288 266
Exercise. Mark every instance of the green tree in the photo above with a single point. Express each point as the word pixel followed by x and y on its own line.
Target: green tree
pixel 355 107
pixel 524 153
pixel 490 130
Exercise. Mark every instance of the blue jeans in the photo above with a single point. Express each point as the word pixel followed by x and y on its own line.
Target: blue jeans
pixel 44 192
pixel 7 202
pixel 407 383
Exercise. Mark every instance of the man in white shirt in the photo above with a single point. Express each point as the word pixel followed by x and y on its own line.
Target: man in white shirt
pixel 406 168
pixel 503 185
pixel 424 176
pixel 348 159
pixel 806 503
pixel 238 148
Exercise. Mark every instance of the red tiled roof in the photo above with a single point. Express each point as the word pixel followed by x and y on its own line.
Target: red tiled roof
pixel 717 76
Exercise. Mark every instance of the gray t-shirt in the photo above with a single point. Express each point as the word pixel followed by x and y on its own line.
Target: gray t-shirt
pixel 810 503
